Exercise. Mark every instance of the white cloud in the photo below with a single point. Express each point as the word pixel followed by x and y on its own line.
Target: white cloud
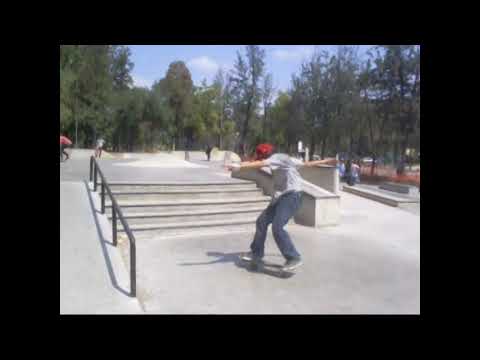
pixel 139 81
pixel 204 65
pixel 297 53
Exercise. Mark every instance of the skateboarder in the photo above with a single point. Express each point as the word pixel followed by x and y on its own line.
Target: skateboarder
pixel 286 200
pixel 99 147
pixel 65 143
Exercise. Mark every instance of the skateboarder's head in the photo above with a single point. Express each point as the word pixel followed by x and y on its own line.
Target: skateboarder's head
pixel 263 151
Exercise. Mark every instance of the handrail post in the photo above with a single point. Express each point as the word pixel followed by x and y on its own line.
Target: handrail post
pixel 114 226
pixel 103 197
pixel 133 270
pixel 95 177
pixel 91 169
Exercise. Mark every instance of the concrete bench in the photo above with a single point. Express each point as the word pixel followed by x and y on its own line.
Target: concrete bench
pixel 399 188
pixel 319 207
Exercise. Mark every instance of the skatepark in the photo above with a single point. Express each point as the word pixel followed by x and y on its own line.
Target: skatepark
pixel 367 261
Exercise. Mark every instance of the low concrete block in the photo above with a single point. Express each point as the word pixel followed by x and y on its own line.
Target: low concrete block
pixel 399 188
pixel 323 176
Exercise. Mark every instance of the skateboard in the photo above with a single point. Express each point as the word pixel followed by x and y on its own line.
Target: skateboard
pixel 268 268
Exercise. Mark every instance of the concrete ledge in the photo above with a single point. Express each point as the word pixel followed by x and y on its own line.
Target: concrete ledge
pixel 403 189
pixel 383 198
pixel 323 176
pixel 319 207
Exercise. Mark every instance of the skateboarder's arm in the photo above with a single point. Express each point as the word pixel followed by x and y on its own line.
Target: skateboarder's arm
pixel 247 165
pixel 328 161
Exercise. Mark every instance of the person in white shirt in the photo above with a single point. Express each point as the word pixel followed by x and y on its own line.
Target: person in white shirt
pixel 99 147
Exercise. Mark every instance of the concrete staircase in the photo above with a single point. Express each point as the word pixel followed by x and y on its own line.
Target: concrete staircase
pixel 189 208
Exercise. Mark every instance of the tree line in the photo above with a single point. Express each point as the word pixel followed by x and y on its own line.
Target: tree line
pixel 337 103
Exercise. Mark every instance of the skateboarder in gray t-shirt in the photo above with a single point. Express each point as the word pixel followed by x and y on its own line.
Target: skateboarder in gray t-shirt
pixel 286 200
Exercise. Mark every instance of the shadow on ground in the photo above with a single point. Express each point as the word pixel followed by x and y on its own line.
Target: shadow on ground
pixel 235 259
pixel 104 242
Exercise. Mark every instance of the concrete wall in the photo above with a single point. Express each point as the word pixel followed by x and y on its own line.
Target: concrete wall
pixel 319 207
pixel 323 176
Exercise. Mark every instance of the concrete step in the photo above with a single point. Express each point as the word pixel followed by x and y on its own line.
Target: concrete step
pixel 183 194
pixel 194 233
pixel 174 228
pixel 188 216
pixel 189 204
pixel 187 186
pixel 198 207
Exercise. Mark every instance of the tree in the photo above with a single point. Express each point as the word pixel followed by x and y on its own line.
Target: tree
pixel 267 94
pixel 178 86
pixel 204 121
pixel 158 118
pixel 121 67
pixel 312 92
pixel 223 85
pixel 280 120
pixel 398 81
pixel 89 91
pixel 246 90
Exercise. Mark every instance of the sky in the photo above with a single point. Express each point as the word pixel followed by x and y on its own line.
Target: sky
pixel 151 61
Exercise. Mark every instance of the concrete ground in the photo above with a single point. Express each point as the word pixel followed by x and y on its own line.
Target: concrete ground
pixel 93 278
pixel 370 264
pixel 143 167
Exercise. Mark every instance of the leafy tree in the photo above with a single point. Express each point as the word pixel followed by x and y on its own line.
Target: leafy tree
pixel 178 86
pixel 246 87
pixel 267 94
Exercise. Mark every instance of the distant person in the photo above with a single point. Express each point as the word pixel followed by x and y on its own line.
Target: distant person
pixel 285 202
pixel 341 169
pixel 99 147
pixel 352 172
pixel 65 143
pixel 355 172
pixel 348 172
pixel 208 151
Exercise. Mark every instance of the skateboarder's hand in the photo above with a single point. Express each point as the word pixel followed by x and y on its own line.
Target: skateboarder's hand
pixel 233 167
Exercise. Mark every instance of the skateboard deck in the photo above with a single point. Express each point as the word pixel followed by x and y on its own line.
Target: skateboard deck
pixel 269 268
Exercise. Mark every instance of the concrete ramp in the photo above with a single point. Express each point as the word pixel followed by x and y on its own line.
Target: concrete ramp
pixel 93 278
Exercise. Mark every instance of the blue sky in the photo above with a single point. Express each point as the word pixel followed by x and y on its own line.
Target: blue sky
pixel 152 61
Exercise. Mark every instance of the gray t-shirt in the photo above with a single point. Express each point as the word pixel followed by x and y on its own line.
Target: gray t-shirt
pixel 100 142
pixel 286 177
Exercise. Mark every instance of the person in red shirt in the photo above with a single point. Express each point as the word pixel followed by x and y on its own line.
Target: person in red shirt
pixel 65 143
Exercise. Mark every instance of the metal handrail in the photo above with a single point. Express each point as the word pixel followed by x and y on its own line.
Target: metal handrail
pixel 116 212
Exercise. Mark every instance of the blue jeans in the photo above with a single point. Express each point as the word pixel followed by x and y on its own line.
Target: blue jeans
pixel 278 214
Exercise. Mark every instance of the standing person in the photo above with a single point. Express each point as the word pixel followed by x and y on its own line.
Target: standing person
pixel 286 200
pixel 208 151
pixel 348 172
pixel 99 147
pixel 355 172
pixel 65 143
pixel 341 169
